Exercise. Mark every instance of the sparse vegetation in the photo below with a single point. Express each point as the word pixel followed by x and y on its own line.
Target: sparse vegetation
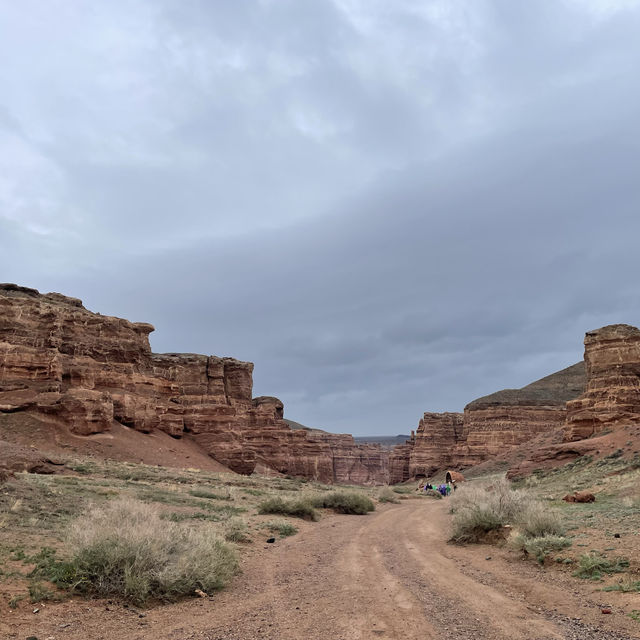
pixel 281 527
pixel 345 502
pixel 593 565
pixel 210 495
pixel 539 547
pixel 236 530
pixel 628 586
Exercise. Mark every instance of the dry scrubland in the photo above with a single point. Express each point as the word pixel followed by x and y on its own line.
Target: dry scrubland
pixel 146 533
pixel 152 534
pixel 598 542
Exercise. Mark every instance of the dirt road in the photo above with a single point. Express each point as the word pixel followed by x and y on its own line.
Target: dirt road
pixel 386 575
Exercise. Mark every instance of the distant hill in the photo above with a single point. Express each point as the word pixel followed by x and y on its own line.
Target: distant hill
pixel 385 441
pixel 556 389
pixel 296 425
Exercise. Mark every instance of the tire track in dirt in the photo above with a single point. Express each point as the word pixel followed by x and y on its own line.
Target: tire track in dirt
pixel 386 575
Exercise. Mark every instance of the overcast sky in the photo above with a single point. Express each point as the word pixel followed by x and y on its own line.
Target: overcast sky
pixel 389 207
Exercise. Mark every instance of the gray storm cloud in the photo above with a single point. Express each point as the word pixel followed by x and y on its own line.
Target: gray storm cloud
pixel 389 208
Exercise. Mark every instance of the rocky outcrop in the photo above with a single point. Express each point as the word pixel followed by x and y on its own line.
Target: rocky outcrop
pixel 399 461
pixel 612 395
pixel 491 425
pixel 437 437
pixel 84 370
pixel 508 418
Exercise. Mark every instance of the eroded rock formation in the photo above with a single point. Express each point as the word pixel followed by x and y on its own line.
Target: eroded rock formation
pixel 490 425
pixel 84 370
pixel 612 396
pixel 437 438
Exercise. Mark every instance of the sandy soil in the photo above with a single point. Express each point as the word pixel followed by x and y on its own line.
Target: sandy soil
pixel 386 575
pixel 120 443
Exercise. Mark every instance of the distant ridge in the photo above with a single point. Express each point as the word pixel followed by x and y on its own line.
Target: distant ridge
pixel 555 389
pixel 385 441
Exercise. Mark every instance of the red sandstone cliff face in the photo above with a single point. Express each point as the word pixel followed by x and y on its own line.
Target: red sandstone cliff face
pixel 86 370
pixel 612 396
pixel 436 439
pixel 490 426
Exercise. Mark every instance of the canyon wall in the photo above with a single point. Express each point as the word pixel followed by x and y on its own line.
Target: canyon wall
pixel 612 395
pixel 490 425
pixel 437 437
pixel 83 370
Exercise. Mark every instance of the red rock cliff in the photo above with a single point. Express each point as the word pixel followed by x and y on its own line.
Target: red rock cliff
pixel 437 436
pixel 612 396
pixel 490 425
pixel 85 370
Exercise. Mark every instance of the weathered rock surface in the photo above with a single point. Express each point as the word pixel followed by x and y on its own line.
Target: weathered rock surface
pixel 15 458
pixel 580 496
pixel 490 425
pixel 84 371
pixel 612 396
pixel 508 418
pixel 437 437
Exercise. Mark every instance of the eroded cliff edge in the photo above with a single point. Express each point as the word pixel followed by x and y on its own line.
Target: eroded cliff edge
pixel 550 421
pixel 87 372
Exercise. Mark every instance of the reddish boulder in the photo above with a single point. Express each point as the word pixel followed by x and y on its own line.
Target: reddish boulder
pixel 580 496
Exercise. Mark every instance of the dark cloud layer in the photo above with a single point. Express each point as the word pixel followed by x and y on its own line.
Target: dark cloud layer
pixel 389 208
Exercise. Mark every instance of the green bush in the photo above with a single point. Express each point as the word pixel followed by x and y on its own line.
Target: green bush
pixel 345 502
pixel 297 508
pixel 593 565
pixel 124 549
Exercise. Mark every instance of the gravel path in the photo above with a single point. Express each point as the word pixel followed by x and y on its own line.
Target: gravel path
pixel 386 575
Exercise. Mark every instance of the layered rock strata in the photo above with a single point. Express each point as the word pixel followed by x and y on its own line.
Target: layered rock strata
pixel 490 425
pixel 437 438
pixel 612 395
pixel 84 370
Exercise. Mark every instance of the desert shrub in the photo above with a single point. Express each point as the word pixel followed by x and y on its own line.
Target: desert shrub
pixel 281 527
pixel 537 521
pixel 479 509
pixel 539 547
pixel 345 502
pixel 297 508
pixel 387 495
pixel 236 530
pixel 124 549
pixel 593 565
pixel 472 523
pixel 431 493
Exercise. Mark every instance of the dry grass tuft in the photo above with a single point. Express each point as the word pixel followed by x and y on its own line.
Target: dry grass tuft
pixel 124 549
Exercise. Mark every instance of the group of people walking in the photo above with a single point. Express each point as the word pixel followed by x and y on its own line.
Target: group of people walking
pixel 443 489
